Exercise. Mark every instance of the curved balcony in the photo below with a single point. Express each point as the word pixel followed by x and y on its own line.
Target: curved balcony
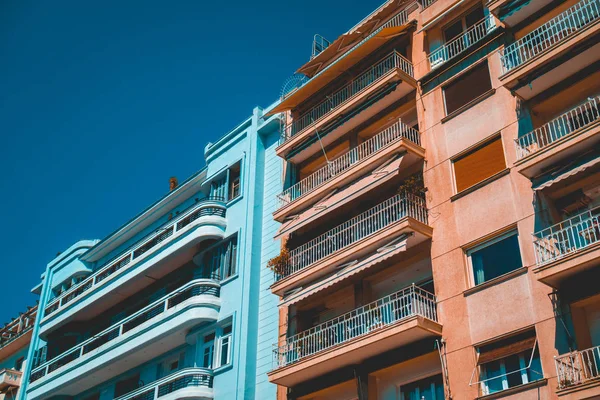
pixel 151 331
pixel 189 383
pixel 203 221
pixel 340 171
pixel 398 215
pixel 392 321
pixel 554 51
pixel 572 132
pixel 392 76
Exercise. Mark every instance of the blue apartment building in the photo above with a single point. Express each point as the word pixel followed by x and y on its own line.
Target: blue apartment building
pixel 175 304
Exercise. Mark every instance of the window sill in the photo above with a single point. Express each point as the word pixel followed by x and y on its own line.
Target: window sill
pixel 229 279
pixel 481 184
pixel 470 104
pixel 231 202
pixel 222 369
pixel 514 390
pixel 495 281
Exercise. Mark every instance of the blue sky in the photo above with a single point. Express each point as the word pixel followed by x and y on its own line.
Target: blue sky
pixel 102 101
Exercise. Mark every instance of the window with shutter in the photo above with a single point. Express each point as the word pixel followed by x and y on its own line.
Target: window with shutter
pixel 467 87
pixel 479 164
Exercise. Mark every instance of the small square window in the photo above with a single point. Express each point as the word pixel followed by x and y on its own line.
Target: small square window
pixel 496 257
pixel 234 181
pixel 479 164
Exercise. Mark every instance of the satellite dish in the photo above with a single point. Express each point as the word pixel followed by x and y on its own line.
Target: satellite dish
pixel 292 83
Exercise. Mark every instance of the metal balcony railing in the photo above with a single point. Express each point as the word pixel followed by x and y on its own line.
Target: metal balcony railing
pixel 411 301
pixel 339 165
pixel 185 378
pixel 577 367
pixel 567 237
pixel 461 43
pixel 553 32
pixel 426 3
pixel 389 64
pixel 195 288
pixel 207 206
pixel 18 327
pixel 561 126
pixel 355 229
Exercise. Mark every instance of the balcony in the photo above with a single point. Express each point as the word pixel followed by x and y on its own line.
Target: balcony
pixel 569 134
pixel 554 51
pixel 390 322
pixel 392 78
pixel 10 380
pixel 460 44
pixel 134 340
pixel 568 247
pixel 17 333
pixel 204 220
pixel 399 215
pixel 346 168
pixel 189 383
pixel 511 12
pixel 579 373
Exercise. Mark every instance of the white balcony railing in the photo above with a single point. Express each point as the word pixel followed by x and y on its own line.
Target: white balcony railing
pixel 461 43
pixel 561 126
pixel 205 207
pixel 198 287
pixel 378 71
pixel 567 237
pixel 578 367
pixel 355 229
pixel 553 32
pixel 426 3
pixel 339 165
pixel 200 378
pixel 391 309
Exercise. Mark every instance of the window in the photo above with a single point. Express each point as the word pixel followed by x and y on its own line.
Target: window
pixel 217 189
pixel 431 388
pixel 467 21
pixel 221 260
pixel 508 363
pixel 495 257
pixel 127 385
pixel 208 349
pixel 234 181
pixel 19 363
pixel 225 350
pixel 170 365
pixel 467 87
pixel 479 164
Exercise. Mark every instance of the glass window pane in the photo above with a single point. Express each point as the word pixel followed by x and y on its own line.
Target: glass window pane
pixel 431 388
pixel 512 365
pixel 492 376
pixel 496 259
pixel 453 31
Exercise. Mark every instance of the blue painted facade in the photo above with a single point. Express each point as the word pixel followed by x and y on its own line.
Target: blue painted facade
pixel 176 302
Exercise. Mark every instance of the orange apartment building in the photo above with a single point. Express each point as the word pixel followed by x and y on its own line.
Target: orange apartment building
pixel 440 217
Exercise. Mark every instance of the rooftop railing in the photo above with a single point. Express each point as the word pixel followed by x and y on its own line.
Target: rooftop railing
pixel 558 128
pixel 355 229
pixel 389 310
pixel 185 378
pixel 567 237
pixel 553 32
pixel 208 287
pixel 208 206
pixel 578 367
pixel 341 164
pixel 389 64
pixel 461 43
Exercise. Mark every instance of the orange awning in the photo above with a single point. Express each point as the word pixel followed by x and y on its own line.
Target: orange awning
pixel 335 69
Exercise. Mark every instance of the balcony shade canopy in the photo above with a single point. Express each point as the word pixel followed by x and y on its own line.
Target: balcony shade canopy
pixel 392 248
pixel 576 166
pixel 346 52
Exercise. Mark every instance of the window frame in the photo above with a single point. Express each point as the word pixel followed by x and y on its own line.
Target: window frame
pixel 470 150
pixel 232 239
pixel 417 379
pixel 458 77
pixel 229 197
pixel 208 345
pixel 222 338
pixel 487 242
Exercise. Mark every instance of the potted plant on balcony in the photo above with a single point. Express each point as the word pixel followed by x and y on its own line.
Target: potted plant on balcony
pixel 279 263
pixel 413 185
